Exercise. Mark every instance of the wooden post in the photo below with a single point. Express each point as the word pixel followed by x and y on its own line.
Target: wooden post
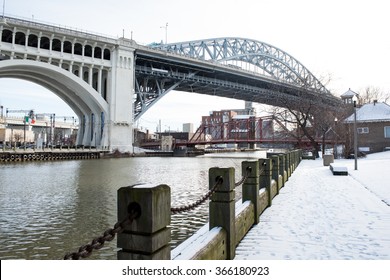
pixel 222 206
pixel 292 161
pixel 282 162
pixel 275 173
pixel 147 237
pixel 266 176
pixel 288 164
pixel 250 188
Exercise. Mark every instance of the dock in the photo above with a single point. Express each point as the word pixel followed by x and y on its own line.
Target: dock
pixel 47 155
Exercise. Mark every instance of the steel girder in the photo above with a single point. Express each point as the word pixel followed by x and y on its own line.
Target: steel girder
pixel 275 62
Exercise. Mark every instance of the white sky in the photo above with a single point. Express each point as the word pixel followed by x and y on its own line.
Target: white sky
pixel 348 40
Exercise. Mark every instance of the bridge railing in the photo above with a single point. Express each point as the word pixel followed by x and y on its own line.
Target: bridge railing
pixel 149 235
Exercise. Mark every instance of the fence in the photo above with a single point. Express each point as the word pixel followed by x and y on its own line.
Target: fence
pixel 148 236
pixel 145 212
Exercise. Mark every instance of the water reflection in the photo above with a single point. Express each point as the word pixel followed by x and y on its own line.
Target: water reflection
pixel 50 208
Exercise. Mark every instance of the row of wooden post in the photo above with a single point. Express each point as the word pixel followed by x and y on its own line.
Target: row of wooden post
pixel 148 236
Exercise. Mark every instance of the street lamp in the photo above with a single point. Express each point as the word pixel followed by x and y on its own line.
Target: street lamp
pixel 335 132
pixel 354 99
pixel 3 8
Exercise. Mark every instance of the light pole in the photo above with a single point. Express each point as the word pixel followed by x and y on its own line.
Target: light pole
pixel 355 144
pixel 24 130
pixel 3 8
pixel 335 132
pixel 166 32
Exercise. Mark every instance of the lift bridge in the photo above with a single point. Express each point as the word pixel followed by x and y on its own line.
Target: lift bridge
pixel 244 130
pixel 247 132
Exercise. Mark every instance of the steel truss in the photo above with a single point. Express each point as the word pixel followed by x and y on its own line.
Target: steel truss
pixel 229 67
pixel 275 62
pixel 261 130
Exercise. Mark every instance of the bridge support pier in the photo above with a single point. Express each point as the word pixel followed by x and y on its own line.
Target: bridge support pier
pixel 121 136
pixel 120 98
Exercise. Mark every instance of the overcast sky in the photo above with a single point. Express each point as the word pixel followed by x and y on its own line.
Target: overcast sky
pixel 348 40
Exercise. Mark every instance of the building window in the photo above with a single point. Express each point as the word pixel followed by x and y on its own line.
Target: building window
pixel 387 131
pixel 363 130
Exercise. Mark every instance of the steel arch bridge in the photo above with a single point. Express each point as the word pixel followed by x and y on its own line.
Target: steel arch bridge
pixel 236 68
pixel 273 61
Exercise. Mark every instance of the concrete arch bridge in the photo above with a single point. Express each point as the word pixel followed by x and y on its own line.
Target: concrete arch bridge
pixel 110 82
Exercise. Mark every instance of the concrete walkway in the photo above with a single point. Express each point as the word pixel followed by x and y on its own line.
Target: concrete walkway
pixel 321 216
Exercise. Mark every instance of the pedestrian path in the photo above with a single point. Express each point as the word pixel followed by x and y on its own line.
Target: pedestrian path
pixel 321 216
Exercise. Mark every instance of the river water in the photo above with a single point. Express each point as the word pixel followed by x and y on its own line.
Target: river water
pixel 48 209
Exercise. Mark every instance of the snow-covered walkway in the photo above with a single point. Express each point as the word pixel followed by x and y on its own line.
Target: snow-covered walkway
pixel 321 216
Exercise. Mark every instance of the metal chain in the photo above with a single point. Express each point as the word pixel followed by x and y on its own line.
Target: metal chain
pixel 243 179
pixel 176 210
pixel 97 243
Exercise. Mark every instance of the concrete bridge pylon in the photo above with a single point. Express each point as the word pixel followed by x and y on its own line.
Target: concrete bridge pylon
pixel 121 100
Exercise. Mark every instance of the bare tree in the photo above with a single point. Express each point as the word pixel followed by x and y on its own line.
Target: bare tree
pixel 312 119
pixel 370 94
pixel 17 136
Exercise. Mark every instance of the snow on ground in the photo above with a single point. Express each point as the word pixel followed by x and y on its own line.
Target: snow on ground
pixel 321 216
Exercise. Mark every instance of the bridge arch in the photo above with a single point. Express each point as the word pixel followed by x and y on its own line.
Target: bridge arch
pixel 89 106
pixel 273 61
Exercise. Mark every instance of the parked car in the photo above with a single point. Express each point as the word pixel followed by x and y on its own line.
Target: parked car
pixel 27 146
pixel 5 146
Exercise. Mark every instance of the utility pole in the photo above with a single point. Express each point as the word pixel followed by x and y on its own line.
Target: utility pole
pixel 3 8
pixel 24 134
pixel 355 144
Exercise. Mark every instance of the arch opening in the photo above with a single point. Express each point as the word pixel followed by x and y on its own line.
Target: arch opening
pixel 80 98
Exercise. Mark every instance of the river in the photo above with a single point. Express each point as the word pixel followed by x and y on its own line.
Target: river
pixel 48 209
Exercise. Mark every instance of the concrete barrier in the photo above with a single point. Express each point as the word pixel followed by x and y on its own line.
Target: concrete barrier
pixel 338 169
pixel 327 159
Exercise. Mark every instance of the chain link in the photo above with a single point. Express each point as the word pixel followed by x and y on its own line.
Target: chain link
pixel 97 243
pixel 243 179
pixel 176 210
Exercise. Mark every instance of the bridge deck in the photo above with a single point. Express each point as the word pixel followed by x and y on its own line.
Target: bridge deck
pixel 320 216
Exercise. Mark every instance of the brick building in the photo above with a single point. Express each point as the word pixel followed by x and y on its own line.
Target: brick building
pixel 373 126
